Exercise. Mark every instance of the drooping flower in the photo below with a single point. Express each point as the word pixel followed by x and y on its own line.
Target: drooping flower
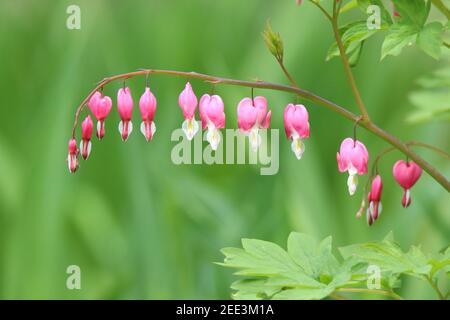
pixel 147 105
pixel 188 103
pixel 125 108
pixel 100 107
pixel 374 198
pixel 352 157
pixel 406 173
pixel 296 125
pixel 253 116
pixel 86 135
pixel 72 157
pixel 213 118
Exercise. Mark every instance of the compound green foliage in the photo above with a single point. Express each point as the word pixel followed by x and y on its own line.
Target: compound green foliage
pixel 309 270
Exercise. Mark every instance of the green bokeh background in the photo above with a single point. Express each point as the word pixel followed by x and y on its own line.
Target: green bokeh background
pixel 138 225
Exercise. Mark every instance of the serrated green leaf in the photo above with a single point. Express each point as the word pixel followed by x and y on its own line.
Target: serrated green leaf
pixel 313 257
pixel 263 258
pixel 388 256
pixel 399 36
pixel 309 270
pixel 429 39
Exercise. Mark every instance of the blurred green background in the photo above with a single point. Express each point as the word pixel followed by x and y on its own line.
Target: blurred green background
pixel 141 227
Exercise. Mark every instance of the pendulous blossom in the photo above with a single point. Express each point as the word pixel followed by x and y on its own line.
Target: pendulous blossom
pixel 213 118
pixel 86 135
pixel 188 103
pixel 253 116
pixel 72 157
pixel 296 125
pixel 352 157
pixel 100 107
pixel 147 105
pixel 125 109
pixel 374 198
pixel 406 173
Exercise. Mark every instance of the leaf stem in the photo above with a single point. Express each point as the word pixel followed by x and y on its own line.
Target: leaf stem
pixel 347 68
pixel 287 74
pixel 436 288
pixel 318 5
pixel 391 294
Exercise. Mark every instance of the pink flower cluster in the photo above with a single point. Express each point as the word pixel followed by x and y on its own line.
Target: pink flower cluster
pixel 252 113
pixel 252 116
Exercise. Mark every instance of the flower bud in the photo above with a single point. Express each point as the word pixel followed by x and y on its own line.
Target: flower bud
pixel 273 42
pixel 72 157
pixel 86 135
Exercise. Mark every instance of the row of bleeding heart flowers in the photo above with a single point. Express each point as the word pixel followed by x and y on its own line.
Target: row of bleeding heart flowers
pixel 252 116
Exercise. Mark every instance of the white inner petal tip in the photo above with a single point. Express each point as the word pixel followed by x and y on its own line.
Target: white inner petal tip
pixel 352 183
pixel 298 147
pixel 190 128
pixel 255 139
pixel 213 137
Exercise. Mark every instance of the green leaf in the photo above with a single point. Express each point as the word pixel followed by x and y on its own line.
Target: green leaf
pixel 413 12
pixel 388 256
pixel 349 6
pixel 398 37
pixel 353 37
pixel 314 258
pixel 309 270
pixel 262 258
pixel 429 39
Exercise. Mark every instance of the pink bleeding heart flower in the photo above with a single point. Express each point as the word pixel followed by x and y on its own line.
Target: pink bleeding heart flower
pixel 86 134
pixel 147 105
pixel 253 116
pixel 213 118
pixel 188 103
pixel 125 108
pixel 374 198
pixel 296 125
pixel 406 173
pixel 100 107
pixel 353 158
pixel 72 157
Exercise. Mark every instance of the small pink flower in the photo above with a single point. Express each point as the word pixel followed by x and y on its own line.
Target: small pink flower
pixel 147 105
pixel 188 103
pixel 352 157
pixel 86 135
pixel 213 118
pixel 253 116
pixel 72 157
pixel 125 108
pixel 100 107
pixel 406 174
pixel 374 198
pixel 296 125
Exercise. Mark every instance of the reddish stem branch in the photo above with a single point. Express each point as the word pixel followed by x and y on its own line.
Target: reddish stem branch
pixel 394 141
